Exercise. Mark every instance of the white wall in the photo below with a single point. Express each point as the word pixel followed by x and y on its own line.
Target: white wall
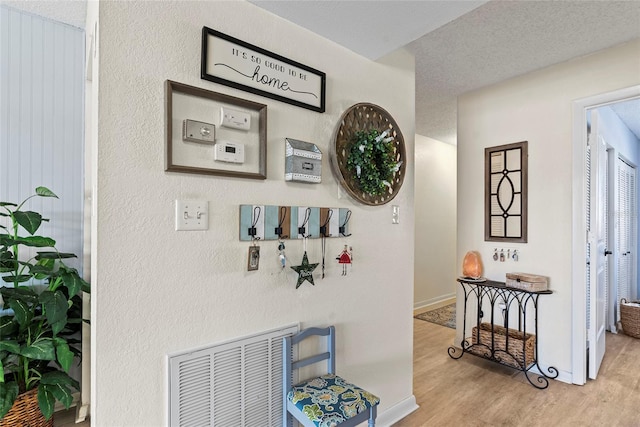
pixel 435 216
pixel 536 107
pixel 157 291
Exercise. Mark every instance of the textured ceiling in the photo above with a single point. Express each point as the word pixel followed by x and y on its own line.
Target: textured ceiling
pixel 496 41
pixel 459 45
pixel 370 28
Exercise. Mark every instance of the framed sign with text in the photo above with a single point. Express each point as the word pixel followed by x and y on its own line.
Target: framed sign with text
pixel 235 63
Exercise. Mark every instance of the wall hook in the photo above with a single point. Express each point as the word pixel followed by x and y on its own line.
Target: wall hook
pixel 254 221
pixel 302 230
pixel 342 228
pixel 282 217
pixel 323 227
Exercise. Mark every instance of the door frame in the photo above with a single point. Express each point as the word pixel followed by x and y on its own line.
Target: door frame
pixel 579 226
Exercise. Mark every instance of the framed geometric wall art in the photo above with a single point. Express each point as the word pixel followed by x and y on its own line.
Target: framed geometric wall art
pixel 505 193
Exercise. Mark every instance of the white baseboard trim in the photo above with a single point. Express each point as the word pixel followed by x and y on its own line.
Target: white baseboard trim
pixel 563 376
pixel 82 412
pixel 397 412
pixel 433 303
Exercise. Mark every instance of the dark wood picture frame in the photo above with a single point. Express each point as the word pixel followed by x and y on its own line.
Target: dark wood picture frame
pixel 247 67
pixel 506 193
pixel 257 169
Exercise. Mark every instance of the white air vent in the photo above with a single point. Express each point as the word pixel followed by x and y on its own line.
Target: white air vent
pixel 236 383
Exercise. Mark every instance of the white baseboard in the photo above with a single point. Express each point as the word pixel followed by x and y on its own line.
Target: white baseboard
pixel 433 303
pixel 563 376
pixel 397 412
pixel 82 412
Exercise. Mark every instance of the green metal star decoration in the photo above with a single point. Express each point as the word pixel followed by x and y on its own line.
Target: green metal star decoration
pixel 304 270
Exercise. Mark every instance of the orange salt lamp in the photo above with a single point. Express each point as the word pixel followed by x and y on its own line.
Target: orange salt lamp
pixel 472 265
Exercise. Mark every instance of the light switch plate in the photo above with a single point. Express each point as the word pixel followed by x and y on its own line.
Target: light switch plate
pixel 395 214
pixel 235 119
pixel 192 215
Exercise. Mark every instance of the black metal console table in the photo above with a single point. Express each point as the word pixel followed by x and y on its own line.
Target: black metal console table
pixel 506 346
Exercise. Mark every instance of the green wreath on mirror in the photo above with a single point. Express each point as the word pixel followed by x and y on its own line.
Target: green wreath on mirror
pixel 372 158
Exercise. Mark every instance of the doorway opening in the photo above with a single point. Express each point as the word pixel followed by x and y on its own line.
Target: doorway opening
pixel 594 308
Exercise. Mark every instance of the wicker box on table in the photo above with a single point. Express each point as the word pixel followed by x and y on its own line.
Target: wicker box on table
pixel 521 347
pixel 527 282
pixel 630 317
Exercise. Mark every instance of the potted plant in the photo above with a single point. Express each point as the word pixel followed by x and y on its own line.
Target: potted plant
pixel 41 316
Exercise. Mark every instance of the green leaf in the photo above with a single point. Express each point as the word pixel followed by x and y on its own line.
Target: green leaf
pixel 8 266
pixel 41 349
pixel 8 326
pixel 36 241
pixel 8 395
pixel 5 254
pixel 63 353
pixel 55 305
pixel 10 346
pixel 7 204
pixel 22 311
pixel 44 269
pixel 73 282
pixel 29 220
pixel 54 255
pixel 6 240
pixel 59 377
pixel 46 401
pixel 45 192
pixel 60 392
pixel 16 279
pixel 22 293
pixel 41 269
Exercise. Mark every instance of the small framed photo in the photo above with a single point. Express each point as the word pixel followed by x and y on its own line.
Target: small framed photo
pixel 254 258
pixel 213 133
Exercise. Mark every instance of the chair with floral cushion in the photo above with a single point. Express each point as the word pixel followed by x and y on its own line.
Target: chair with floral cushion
pixel 327 400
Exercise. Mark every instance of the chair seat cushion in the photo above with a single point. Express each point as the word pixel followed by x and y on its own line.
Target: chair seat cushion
pixel 329 400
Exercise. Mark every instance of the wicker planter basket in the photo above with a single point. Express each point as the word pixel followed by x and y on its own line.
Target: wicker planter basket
pixel 25 412
pixel 630 317
pixel 521 347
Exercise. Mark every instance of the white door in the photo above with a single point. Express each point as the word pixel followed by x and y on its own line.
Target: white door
pixel 597 247
pixel 626 215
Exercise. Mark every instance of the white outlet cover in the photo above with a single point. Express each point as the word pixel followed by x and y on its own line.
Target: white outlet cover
pixel 192 215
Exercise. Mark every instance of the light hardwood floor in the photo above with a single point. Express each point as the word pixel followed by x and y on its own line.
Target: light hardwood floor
pixel 474 392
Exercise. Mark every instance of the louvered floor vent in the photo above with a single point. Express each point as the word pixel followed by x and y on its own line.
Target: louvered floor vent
pixel 236 383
